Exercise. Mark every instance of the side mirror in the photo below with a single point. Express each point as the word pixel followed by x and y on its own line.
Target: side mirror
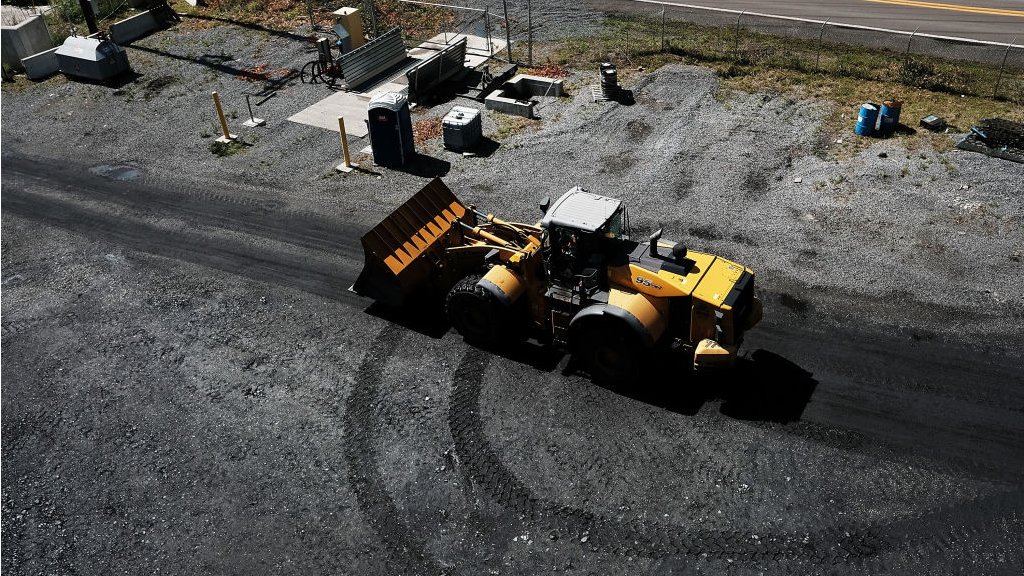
pixel 678 252
pixel 654 242
pixel 545 203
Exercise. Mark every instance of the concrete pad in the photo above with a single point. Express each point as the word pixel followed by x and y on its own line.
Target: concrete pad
pixel 134 27
pixel 476 47
pixel 352 105
pixel 22 40
pixel 41 65
pixel 349 105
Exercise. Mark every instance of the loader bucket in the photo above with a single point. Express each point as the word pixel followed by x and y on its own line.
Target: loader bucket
pixel 400 252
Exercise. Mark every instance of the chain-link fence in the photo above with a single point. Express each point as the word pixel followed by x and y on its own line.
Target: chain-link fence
pixel 941 64
pixel 437 24
pixel 649 27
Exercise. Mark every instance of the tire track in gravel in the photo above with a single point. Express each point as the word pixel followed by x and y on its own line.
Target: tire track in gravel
pixel 406 552
pixel 327 278
pixel 150 195
pixel 854 543
pixel 482 466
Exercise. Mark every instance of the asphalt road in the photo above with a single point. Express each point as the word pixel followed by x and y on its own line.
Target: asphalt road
pixel 905 452
pixel 989 20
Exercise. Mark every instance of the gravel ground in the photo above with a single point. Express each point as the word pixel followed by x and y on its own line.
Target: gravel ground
pixel 188 387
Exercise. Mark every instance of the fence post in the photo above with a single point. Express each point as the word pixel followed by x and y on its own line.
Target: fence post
pixel 821 33
pixel 228 136
pixel 372 7
pixel 487 31
pixel 508 32
pixel 662 27
pixel 347 165
pixel 253 121
pixel 999 79
pixel 737 47
pixel 907 55
pixel 529 32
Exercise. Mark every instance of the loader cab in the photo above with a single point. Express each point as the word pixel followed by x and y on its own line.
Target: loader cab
pixel 579 231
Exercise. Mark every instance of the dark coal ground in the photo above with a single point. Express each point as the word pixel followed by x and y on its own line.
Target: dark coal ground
pixel 188 388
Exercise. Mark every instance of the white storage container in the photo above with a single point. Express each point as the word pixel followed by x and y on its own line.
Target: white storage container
pixel 462 128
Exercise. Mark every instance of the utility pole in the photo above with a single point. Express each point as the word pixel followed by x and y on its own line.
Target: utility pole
pixel 368 5
pixel 90 16
pixel 529 32
pixel 508 32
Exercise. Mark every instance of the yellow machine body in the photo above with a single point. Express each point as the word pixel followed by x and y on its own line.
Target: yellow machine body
pixel 525 275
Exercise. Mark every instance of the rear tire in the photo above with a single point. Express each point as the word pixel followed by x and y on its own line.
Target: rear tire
pixel 476 314
pixel 608 349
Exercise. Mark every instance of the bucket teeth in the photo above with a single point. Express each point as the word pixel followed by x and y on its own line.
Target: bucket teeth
pixel 399 251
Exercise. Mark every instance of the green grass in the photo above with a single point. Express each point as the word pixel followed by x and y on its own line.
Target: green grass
pixel 222 149
pixel 845 77
pixel 508 125
pixel 634 41
pixel 66 13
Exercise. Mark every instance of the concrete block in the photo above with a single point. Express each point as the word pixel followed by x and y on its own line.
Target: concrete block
pixel 22 40
pixel 498 100
pixel 133 28
pixel 42 65
pixel 530 85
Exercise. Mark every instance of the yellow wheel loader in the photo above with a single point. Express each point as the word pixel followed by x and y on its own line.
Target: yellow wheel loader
pixel 575 280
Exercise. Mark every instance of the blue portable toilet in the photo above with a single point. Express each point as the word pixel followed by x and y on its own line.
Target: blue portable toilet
pixel 889 117
pixel 866 119
pixel 390 128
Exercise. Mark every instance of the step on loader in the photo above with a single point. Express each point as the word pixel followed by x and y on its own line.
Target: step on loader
pixel 575 280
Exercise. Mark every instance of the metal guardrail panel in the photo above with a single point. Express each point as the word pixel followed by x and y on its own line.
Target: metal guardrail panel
pixel 436 69
pixel 372 58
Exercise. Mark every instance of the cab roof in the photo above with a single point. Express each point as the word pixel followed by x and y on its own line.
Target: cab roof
pixel 581 210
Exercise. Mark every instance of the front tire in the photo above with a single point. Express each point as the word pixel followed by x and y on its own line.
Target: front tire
pixel 608 349
pixel 475 313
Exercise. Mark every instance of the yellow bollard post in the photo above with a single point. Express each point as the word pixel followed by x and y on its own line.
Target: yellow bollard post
pixel 347 165
pixel 228 136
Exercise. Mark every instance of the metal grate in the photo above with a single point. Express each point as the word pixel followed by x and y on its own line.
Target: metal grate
pixel 428 74
pixel 372 58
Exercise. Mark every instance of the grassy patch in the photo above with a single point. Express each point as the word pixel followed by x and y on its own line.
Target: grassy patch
pixel 509 125
pixel 845 95
pixel 426 129
pixel 416 21
pixel 548 71
pixel 65 11
pixel 222 149
pixel 845 76
pixel 636 42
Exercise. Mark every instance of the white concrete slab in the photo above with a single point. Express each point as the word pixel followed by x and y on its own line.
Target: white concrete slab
pixel 477 51
pixel 349 105
pixel 352 105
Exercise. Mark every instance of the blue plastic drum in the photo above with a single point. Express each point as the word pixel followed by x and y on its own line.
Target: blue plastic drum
pixel 866 119
pixel 889 117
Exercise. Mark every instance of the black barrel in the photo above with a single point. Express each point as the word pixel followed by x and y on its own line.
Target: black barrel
pixel 609 80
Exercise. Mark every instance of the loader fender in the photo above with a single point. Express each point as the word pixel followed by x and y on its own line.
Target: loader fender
pixel 639 312
pixel 504 284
